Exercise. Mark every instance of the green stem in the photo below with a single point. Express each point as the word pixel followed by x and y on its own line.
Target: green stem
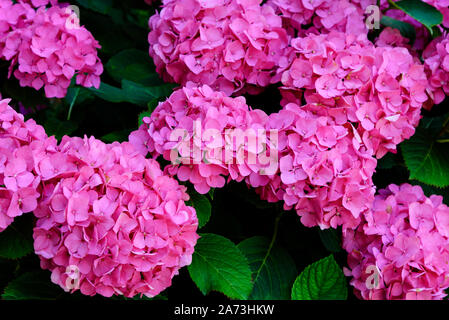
pixel 392 5
pixel 443 141
pixel 72 104
pixel 273 240
pixel 445 127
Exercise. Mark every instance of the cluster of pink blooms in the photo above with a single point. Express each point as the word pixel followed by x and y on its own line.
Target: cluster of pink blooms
pixel 113 215
pixel 322 15
pixel 322 168
pixel 192 111
pixel 18 180
pixel 325 170
pixel 47 47
pixel 381 90
pixel 102 210
pixel 39 3
pixel 436 61
pixel 401 250
pixel 231 45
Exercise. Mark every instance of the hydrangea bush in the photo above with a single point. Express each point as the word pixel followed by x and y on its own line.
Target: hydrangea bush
pixel 230 149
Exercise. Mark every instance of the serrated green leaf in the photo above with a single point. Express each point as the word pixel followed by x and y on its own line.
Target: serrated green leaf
pixel 426 159
pixel 218 265
pixel 322 280
pixel 32 286
pixel 202 206
pixel 17 240
pixel 330 239
pixel 134 65
pixel 423 12
pixel 273 269
pixel 406 29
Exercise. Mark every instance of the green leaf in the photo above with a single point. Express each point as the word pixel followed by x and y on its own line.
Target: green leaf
pixel 143 115
pixel 109 93
pixel 202 206
pixel 428 15
pixel 134 65
pixel 322 280
pixel 330 239
pixel 82 96
pixel 119 136
pixel 32 286
pixel 100 6
pixel 142 95
pixel 220 266
pixel 132 92
pixel 211 193
pixel 17 240
pixel 406 29
pixel 55 127
pixel 273 269
pixel 426 159
pixel 388 161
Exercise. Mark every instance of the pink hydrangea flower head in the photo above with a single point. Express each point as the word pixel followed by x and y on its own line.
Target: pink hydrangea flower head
pixel 321 16
pixel 325 170
pixel 381 90
pixel 114 217
pixel 18 181
pixel 230 45
pixel 436 62
pixel 401 248
pixel 207 131
pixel 317 162
pixel 47 48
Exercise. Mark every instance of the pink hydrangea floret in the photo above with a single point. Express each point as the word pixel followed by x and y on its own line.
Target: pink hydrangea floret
pixel 109 221
pixel 47 48
pixel 230 45
pixel 19 182
pixel 401 249
pixel 381 90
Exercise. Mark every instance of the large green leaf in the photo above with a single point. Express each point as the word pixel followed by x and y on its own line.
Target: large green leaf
pixel 202 206
pixel 322 280
pixel 132 92
pixel 134 65
pixel 17 240
pixel 420 11
pixel 109 93
pixel 427 160
pixel 273 269
pixel 218 265
pixel 406 29
pixel 142 95
pixel 32 286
